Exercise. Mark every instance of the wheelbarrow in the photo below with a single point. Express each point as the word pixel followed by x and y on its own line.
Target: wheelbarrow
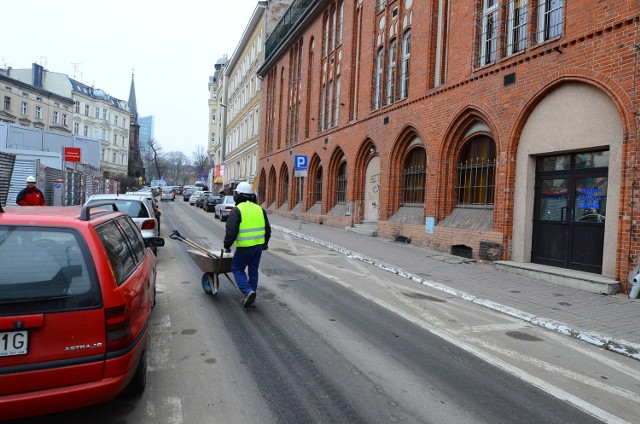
pixel 210 263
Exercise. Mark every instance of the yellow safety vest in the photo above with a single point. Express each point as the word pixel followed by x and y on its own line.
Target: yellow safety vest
pixel 252 225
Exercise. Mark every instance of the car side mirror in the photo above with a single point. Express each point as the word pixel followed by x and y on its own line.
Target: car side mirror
pixel 154 242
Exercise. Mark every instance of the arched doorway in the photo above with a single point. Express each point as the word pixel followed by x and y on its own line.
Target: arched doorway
pixel 554 188
pixel 372 190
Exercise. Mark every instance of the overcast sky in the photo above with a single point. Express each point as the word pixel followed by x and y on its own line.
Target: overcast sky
pixel 171 46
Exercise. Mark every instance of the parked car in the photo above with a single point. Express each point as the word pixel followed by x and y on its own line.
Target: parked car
pixel 137 207
pixel 194 197
pixel 224 208
pixel 74 320
pixel 203 198
pixel 167 194
pixel 212 201
pixel 187 192
pixel 147 194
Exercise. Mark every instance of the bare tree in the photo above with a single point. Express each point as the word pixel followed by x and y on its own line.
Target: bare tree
pixel 201 161
pixel 176 166
pixel 156 150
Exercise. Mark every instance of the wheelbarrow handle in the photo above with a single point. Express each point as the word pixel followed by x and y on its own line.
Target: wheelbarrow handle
pixel 176 235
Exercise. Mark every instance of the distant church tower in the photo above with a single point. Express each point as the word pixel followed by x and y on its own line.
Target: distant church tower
pixel 136 165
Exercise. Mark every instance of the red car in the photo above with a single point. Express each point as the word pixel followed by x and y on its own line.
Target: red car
pixel 76 290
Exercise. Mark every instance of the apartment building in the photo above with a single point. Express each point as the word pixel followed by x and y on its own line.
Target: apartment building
pixel 503 130
pixel 103 117
pixel 243 91
pixel 31 105
pixel 216 125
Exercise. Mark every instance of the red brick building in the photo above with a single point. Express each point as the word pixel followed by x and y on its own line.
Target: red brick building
pixel 505 129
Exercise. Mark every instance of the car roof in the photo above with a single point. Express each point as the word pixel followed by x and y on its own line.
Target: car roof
pixel 117 196
pixel 52 215
pixel 133 197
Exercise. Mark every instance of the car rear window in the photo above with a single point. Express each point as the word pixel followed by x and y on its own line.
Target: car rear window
pixel 133 208
pixel 45 269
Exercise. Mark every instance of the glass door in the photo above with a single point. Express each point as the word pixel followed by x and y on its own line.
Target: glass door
pixel 569 219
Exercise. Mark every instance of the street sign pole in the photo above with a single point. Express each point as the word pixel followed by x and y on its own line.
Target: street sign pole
pixel 299 203
pixel 300 170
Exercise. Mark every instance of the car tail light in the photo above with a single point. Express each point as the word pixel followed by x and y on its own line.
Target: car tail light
pixel 228 208
pixel 117 328
pixel 149 224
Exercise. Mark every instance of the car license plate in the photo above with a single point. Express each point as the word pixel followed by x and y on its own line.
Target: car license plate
pixel 14 343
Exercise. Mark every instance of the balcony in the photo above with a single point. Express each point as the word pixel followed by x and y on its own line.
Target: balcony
pixel 298 10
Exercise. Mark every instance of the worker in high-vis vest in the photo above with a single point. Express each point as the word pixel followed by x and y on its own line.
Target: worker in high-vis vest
pixel 247 226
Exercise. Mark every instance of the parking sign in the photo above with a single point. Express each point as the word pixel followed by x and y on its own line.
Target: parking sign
pixel 300 162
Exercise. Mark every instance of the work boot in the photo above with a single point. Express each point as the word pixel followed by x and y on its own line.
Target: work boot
pixel 248 299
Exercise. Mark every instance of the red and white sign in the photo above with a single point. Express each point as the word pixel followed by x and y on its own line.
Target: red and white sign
pixel 72 154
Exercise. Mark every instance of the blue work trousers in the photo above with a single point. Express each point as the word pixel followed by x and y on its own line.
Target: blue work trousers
pixel 243 258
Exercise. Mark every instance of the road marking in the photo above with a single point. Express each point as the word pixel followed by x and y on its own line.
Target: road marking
pixel 501 364
pixel 170 407
pixel 589 381
pixel 493 327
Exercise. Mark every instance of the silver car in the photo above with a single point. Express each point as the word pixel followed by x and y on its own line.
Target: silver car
pixel 224 208
pixel 137 207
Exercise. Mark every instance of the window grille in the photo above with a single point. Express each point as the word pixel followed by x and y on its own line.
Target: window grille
pixel 489 37
pixel 318 186
pixel 550 19
pixel 414 176
pixel 406 55
pixel 517 26
pixel 341 188
pixel 391 72
pixel 377 81
pixel 476 173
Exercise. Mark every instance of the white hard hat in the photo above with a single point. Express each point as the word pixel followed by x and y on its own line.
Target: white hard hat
pixel 244 188
pixel 31 179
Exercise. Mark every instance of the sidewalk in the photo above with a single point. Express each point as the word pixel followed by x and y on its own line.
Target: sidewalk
pixel 611 322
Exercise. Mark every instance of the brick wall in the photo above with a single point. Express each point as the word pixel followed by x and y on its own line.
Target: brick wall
pixel 597 48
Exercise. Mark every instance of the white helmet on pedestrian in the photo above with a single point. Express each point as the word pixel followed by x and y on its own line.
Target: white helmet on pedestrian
pixel 244 188
pixel 31 179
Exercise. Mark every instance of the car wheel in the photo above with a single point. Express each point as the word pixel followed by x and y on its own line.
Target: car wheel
pixel 223 218
pixel 139 381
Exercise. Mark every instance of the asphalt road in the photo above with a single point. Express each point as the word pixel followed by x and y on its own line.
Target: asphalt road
pixel 332 340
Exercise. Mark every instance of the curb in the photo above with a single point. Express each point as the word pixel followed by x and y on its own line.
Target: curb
pixel 622 347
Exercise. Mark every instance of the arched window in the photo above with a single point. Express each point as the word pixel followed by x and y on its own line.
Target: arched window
pixel 477 172
pixel 341 188
pixel 318 186
pixel 414 175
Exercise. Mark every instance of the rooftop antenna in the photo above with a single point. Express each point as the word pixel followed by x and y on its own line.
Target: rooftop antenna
pixel 75 68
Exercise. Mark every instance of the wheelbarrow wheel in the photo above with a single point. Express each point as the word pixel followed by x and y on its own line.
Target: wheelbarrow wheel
pixel 210 283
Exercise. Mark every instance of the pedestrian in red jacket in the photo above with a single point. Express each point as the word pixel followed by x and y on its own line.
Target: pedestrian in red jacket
pixel 31 195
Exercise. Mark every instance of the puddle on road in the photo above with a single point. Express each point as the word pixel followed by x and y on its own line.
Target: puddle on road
pixel 519 335
pixel 421 296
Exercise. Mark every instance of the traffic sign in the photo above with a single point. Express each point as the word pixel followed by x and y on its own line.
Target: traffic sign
pixel 300 162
